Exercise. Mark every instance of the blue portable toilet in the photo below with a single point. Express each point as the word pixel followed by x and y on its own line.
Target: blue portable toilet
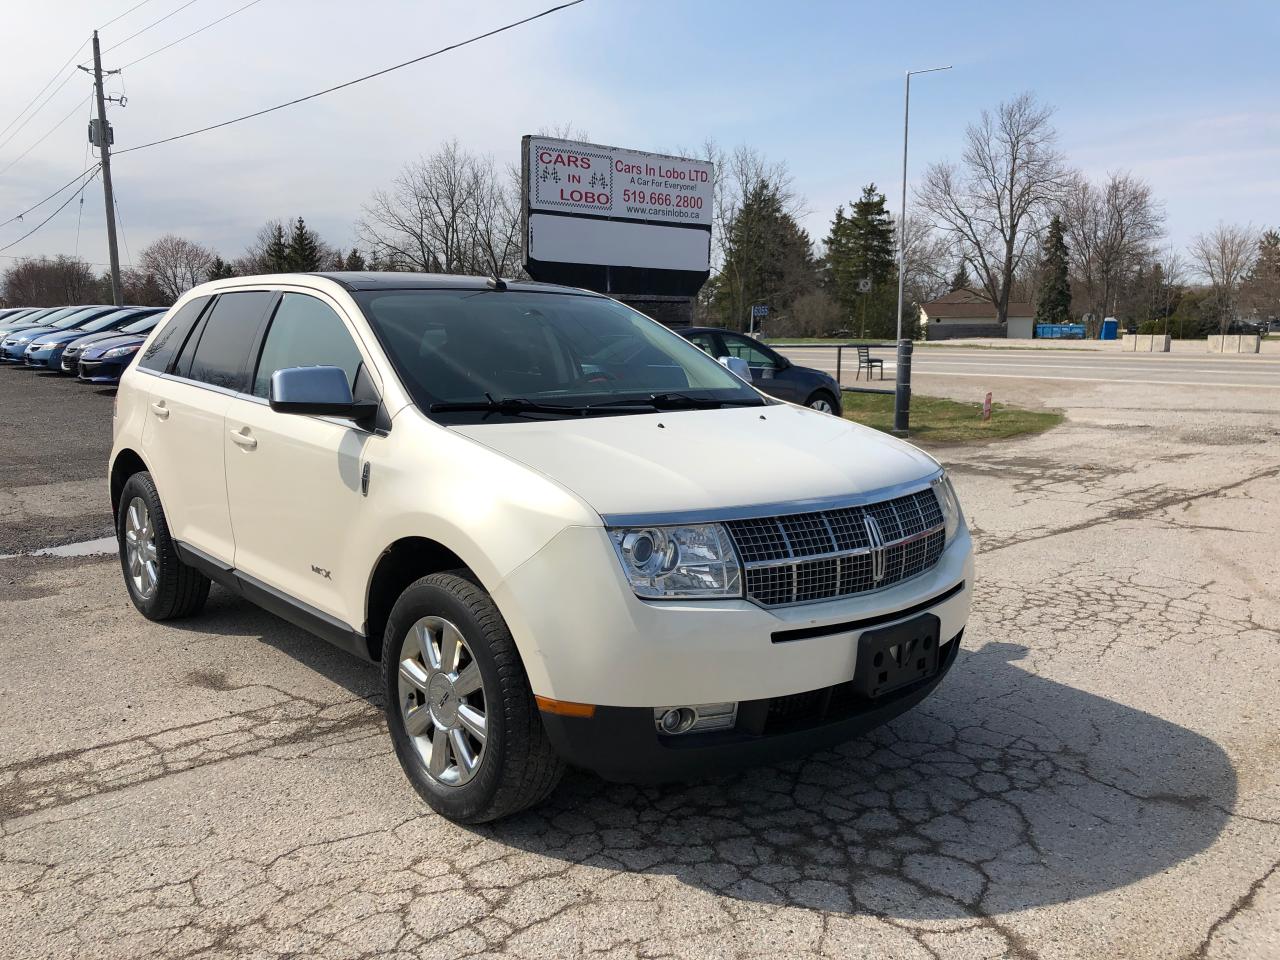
pixel 1110 329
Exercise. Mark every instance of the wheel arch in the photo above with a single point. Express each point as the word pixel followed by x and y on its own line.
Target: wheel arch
pixel 127 462
pixel 401 563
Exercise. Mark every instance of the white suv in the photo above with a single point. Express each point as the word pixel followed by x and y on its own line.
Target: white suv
pixel 567 534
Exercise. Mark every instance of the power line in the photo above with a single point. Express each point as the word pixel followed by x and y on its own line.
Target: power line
pixel 350 83
pixel 64 205
pixel 121 16
pixel 34 113
pixel 55 76
pixel 34 206
pixel 5 169
pixel 153 23
pixel 191 34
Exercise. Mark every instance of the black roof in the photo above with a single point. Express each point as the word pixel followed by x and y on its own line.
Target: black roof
pixel 373 280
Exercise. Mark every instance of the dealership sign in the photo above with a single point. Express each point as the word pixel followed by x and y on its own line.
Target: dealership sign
pixel 616 220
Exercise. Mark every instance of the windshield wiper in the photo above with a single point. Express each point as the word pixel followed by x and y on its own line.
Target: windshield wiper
pixel 517 405
pixel 676 401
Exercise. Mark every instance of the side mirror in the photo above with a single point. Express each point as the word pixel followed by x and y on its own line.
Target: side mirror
pixel 317 391
pixel 738 366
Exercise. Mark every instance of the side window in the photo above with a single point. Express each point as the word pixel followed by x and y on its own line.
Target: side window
pixel 305 333
pixel 750 352
pixel 161 351
pixel 703 341
pixel 222 354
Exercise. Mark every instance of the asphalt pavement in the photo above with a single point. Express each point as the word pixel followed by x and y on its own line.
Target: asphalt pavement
pixel 1099 775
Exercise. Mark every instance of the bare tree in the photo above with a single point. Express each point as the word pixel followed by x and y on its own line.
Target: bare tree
pixel 1110 229
pixel 1224 256
pixel 929 263
pixel 450 212
pixel 46 281
pixel 177 263
pixel 992 205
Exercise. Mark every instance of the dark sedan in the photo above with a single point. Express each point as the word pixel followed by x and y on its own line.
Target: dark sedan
pixel 771 372
pixel 142 321
pixel 104 361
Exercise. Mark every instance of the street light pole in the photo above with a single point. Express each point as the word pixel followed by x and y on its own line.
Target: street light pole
pixel 902 386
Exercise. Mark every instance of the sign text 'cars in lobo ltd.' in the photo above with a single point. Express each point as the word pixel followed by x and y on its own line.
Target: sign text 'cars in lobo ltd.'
pixel 589 206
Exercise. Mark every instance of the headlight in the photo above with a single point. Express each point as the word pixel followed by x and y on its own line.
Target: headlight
pixel 950 505
pixel 696 561
pixel 119 352
pixel 40 346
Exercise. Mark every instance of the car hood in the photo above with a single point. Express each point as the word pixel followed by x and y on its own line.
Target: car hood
pixel 57 336
pixel 707 459
pixel 7 329
pixel 86 340
pixel 100 347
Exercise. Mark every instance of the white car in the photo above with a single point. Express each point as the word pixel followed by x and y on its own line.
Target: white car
pixel 568 535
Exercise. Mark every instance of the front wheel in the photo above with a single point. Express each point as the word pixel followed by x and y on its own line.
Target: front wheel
pixel 823 402
pixel 462 717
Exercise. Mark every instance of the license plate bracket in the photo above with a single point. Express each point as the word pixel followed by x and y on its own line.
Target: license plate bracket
pixel 893 657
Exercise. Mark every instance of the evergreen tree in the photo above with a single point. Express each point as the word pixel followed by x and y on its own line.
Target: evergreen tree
pixel 303 252
pixel 1054 304
pixel 859 248
pixel 1261 290
pixel 275 258
pixel 220 269
pixel 355 261
pixel 961 280
pixel 768 258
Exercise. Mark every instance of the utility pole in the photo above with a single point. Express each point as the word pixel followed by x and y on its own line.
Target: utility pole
pixel 104 148
pixel 902 388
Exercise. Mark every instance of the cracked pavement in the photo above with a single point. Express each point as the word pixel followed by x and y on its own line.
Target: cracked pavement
pixel 1099 775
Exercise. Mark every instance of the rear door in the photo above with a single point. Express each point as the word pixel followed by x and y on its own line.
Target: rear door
pixel 183 439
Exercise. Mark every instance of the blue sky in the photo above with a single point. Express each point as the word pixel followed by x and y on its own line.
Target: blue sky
pixel 1183 94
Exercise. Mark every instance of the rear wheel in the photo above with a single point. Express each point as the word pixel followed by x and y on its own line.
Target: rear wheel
pixel 160 585
pixel 461 714
pixel 823 402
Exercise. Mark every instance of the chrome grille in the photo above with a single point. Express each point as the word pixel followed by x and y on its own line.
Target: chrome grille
pixel 803 557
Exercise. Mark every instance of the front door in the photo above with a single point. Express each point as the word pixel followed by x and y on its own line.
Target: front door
pixel 766 367
pixel 294 481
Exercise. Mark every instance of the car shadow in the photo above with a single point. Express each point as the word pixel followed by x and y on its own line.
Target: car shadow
pixel 1003 791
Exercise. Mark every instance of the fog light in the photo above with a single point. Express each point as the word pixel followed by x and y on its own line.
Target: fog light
pixel 698 718
pixel 676 720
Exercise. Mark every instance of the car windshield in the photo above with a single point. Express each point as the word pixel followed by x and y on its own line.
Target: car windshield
pixel 106 320
pixel 143 325
pixel 502 354
pixel 70 320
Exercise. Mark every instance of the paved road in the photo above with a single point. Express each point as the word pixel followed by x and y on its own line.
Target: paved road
pixel 1259 371
pixel 1099 776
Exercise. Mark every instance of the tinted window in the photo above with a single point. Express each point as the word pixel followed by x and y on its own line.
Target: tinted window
pixel 106 320
pixel 748 351
pixel 469 345
pixel 223 351
pixel 305 333
pixel 143 325
pixel 161 350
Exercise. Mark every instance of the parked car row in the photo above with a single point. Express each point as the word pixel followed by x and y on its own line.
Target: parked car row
pixel 94 343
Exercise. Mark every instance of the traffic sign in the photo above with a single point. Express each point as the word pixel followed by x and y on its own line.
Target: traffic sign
pixel 759 311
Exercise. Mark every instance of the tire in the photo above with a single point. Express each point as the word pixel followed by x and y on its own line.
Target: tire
pixel 171 589
pixel 437 698
pixel 823 402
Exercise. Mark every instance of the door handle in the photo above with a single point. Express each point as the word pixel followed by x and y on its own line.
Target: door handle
pixel 160 410
pixel 241 438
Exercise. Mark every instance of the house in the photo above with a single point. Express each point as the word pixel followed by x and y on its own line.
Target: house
pixel 967 313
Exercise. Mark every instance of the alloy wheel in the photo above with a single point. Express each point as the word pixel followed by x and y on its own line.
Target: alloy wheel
pixel 140 549
pixel 442 701
pixel 822 405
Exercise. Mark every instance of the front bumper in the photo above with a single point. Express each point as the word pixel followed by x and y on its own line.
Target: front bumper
pixel 12 353
pixel 102 371
pixel 585 637
pixel 47 358
pixel 621 743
